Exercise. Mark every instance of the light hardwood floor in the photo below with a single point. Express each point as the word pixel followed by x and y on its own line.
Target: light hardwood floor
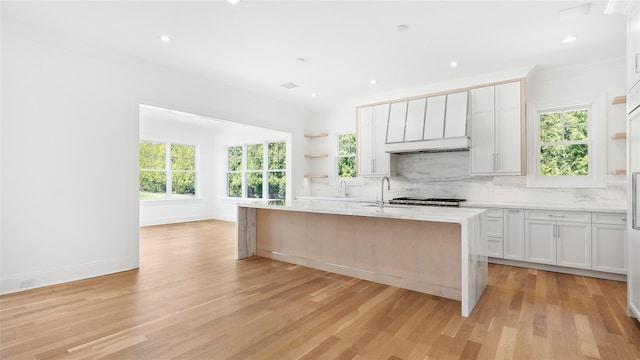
pixel 192 300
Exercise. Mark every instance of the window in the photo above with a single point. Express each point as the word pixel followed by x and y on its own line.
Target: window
pixel 153 174
pixel 346 160
pixel 234 173
pixel 183 170
pixel 159 179
pixel 262 173
pixel 566 152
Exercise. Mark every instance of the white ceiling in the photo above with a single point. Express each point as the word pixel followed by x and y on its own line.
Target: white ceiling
pixel 254 45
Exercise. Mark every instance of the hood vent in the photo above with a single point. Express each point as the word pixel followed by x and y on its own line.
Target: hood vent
pixel 429 124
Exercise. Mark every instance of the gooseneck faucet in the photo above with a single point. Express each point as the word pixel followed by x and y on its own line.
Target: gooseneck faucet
pixel 346 187
pixel 382 190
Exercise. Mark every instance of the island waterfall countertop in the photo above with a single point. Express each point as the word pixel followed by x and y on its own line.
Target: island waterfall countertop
pixel 434 250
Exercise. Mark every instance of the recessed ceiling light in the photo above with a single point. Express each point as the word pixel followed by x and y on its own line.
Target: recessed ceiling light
pixel 569 39
pixel 233 1
pixel 374 81
pixel 314 95
pixel 165 38
pixel 401 28
pixel 454 64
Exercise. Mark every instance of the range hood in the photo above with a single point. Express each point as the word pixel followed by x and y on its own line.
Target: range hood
pixel 461 143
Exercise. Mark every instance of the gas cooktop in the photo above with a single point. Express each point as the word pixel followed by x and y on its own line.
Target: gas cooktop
pixel 426 201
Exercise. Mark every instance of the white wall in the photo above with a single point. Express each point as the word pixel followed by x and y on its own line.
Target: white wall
pixel 70 135
pixel 447 174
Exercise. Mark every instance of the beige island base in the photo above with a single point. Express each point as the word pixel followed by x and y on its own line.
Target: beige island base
pixel 443 256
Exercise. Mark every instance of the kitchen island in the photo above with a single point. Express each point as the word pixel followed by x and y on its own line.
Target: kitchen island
pixel 434 250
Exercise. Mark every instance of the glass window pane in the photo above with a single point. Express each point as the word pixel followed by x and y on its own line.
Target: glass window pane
pixel 564 160
pixel 576 117
pixel 347 144
pixel 254 157
pixel 346 167
pixel 183 184
pixel 550 134
pixel 277 185
pixel 550 120
pixel 153 184
pixel 234 184
pixel 183 157
pixel 234 157
pixel 254 185
pixel 277 156
pixel 158 156
pixel 575 133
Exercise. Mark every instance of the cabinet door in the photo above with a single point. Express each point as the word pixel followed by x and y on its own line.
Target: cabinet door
pixel 397 119
pixel 573 244
pixel 495 226
pixel 455 124
pixel 608 248
pixel 539 241
pixel 365 141
pixel 514 234
pixel 414 128
pixel 381 159
pixel 482 130
pixel 494 246
pixel 508 128
pixel 633 46
pixel 434 118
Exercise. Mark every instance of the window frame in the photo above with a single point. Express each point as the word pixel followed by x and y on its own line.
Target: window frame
pixel 596 148
pixel 168 195
pixel 265 171
pixel 338 156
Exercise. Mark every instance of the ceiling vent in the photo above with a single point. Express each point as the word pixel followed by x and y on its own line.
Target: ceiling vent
pixel 289 85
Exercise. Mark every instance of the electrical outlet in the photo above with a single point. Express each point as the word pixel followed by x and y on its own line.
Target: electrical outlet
pixel 26 283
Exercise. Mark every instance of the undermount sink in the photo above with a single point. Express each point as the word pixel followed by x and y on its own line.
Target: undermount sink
pixel 386 206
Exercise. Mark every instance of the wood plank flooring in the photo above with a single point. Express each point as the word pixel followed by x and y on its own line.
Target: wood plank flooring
pixel 192 300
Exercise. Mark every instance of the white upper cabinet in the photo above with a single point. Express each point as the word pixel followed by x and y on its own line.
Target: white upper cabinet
pixel 456 115
pixel 434 119
pixel 372 131
pixel 414 128
pixel 397 119
pixel 496 130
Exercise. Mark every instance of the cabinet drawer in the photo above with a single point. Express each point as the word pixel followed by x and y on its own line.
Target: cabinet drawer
pixel 495 212
pixel 494 247
pixel 495 227
pixel 609 218
pixel 575 216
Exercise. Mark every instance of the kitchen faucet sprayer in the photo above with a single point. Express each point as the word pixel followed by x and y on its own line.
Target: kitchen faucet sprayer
pixel 382 190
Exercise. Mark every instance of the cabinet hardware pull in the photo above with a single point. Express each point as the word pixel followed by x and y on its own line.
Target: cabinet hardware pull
pixel 556 216
pixel 514 211
pixel 624 219
pixel 554 230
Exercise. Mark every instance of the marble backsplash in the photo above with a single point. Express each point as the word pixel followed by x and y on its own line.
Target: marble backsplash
pixel 446 175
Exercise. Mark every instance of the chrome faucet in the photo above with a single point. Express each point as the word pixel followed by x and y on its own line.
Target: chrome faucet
pixel 346 187
pixel 382 190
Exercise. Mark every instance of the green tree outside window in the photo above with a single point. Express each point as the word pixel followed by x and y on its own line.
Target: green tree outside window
pixel 564 149
pixel 346 155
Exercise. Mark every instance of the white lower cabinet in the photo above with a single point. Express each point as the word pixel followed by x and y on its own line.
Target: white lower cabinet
pixel 540 241
pixel 551 239
pixel 575 239
pixel 513 234
pixel 609 243
pixel 495 226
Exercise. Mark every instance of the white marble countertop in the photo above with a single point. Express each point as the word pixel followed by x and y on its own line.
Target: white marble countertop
pixel 559 207
pixel 420 213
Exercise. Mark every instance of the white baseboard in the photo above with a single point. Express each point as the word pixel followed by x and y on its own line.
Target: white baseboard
pixel 560 269
pixel 21 282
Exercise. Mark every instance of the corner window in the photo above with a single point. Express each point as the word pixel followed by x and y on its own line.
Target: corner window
pixel 346 159
pixel 567 152
pixel 167 170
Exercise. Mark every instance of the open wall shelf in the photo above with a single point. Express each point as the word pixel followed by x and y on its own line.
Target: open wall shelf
pixel 315 135
pixel 616 136
pixel 619 100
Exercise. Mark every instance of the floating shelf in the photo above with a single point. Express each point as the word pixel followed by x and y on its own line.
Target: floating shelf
pixel 619 172
pixel 616 136
pixel 316 176
pixel 314 156
pixel 618 100
pixel 315 135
